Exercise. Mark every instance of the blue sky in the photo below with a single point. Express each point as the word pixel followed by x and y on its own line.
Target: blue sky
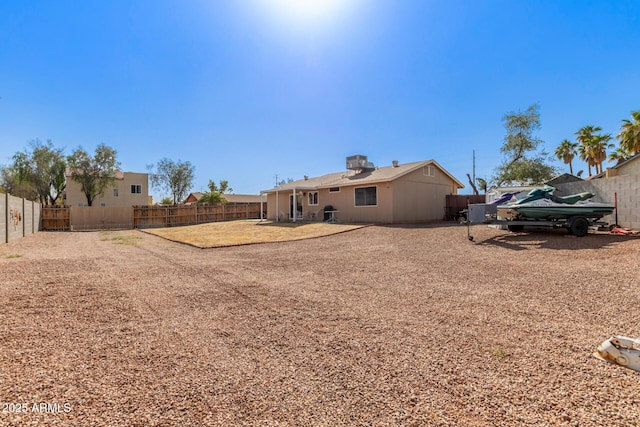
pixel 247 89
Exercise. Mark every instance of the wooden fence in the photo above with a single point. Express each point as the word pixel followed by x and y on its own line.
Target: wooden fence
pixel 75 218
pixel 172 216
pixel 457 202
pixel 56 218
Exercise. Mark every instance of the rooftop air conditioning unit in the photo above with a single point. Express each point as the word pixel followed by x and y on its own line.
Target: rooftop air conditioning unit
pixel 359 163
pixel 356 162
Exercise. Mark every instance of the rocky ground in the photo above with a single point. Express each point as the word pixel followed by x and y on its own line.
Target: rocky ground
pixel 406 326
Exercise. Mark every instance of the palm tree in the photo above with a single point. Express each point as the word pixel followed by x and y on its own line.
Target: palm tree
pixel 629 135
pixel 566 151
pixel 600 145
pixel 619 156
pixel 587 150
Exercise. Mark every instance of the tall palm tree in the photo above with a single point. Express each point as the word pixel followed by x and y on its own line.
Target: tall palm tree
pixel 566 151
pixel 587 148
pixel 629 135
pixel 600 145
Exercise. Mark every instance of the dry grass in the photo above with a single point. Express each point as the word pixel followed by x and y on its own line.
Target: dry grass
pixel 234 233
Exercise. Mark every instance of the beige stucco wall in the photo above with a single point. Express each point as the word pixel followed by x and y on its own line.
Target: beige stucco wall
pixel 417 197
pixel 411 198
pixel 14 218
pixel 631 168
pixel 75 197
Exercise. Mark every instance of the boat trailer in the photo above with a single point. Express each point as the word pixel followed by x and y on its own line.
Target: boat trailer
pixel 486 213
pixel 621 351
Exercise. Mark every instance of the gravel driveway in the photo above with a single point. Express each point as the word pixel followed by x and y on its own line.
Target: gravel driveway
pixel 378 326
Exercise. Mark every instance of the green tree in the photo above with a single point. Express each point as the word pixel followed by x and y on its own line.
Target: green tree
pixel 43 169
pixel 216 192
pixel 619 155
pixel 166 201
pixel 521 167
pixel 566 151
pixel 174 177
pixel 11 183
pixel 629 135
pixel 483 185
pixel 94 173
pixel 601 145
pixel 593 146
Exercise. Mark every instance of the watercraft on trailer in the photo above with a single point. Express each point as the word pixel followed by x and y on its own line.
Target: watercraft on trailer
pixel 541 204
pixel 541 208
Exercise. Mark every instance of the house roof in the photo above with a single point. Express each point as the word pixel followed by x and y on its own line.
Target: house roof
pixel 231 198
pixel 343 179
pixel 563 178
pixel 242 198
pixel 119 175
pixel 196 194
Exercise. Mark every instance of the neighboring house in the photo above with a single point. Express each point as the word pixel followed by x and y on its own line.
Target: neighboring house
pixel 130 189
pixel 410 192
pixel 230 198
pixel 193 198
pixel 563 179
pixel 631 166
pixel 243 198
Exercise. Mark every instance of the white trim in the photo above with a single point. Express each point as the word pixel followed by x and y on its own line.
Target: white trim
pixel 317 193
pixel 339 189
pixel 429 170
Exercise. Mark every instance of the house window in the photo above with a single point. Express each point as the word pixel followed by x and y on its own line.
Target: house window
pixel 115 192
pixel 136 189
pixel 429 170
pixel 367 196
pixel 313 198
pixel 334 189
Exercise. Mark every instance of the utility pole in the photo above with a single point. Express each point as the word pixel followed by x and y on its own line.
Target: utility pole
pixel 474 166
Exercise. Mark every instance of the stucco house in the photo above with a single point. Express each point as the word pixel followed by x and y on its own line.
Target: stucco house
pixel 411 192
pixel 193 198
pixel 130 189
pixel 630 166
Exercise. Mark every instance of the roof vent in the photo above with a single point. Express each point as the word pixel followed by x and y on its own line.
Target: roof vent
pixel 394 163
pixel 359 163
pixel 306 177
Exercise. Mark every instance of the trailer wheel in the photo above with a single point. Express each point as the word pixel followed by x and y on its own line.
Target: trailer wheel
pixel 515 228
pixel 579 227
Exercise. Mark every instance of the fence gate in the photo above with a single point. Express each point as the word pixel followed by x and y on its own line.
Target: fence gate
pixel 56 218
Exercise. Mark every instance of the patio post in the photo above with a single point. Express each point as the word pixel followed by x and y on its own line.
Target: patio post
pixel 294 206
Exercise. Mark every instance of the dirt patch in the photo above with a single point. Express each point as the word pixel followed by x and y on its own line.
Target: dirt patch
pixel 234 233
pixel 378 326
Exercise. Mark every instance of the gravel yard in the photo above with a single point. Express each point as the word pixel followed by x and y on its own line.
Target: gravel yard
pixel 395 325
